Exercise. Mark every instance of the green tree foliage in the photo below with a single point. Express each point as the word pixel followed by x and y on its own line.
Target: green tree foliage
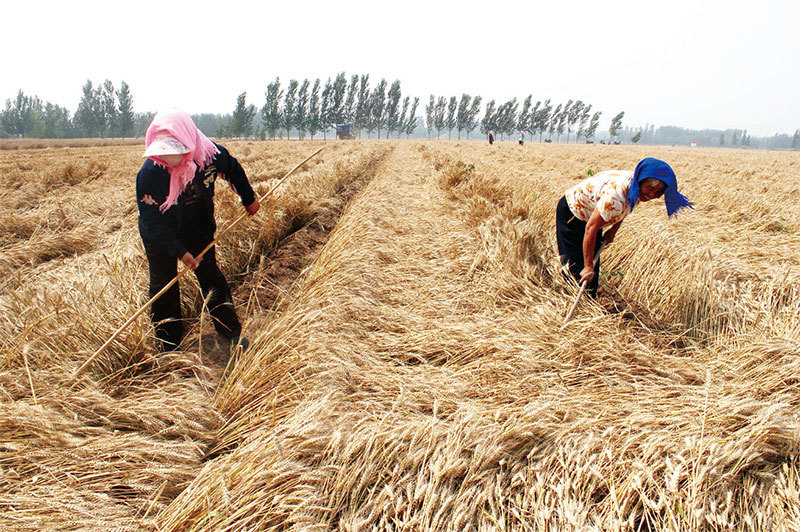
pixel 616 125
pixel 288 112
pixel 462 115
pixel 573 117
pixel 678 136
pixel 108 109
pixel 377 108
pixel 637 137
pixel 362 106
pixel 103 111
pixel 125 125
pixel 271 113
pixel 489 116
pixel 98 115
pixel 506 117
pixel 352 98
pixel 57 124
pixel 552 123
pixel 439 115
pixel 336 107
pixel 393 108
pixel 97 110
pixel 224 129
pixel 472 115
pixel 583 120
pixel 430 112
pixel 325 112
pixel 143 120
pixel 563 119
pixel 20 116
pixel 301 109
pixel 313 120
pixel 796 140
pixel 530 127
pixel 523 121
pixel 401 127
pixel 450 122
pixel 411 121
pixel 88 116
pixel 210 124
pixel 542 118
pixel 241 124
pixel 593 123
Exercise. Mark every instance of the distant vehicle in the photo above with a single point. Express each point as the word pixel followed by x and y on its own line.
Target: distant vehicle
pixel 345 131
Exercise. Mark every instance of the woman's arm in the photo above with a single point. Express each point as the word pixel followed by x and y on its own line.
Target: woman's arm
pixel 593 226
pixel 234 174
pixel 608 236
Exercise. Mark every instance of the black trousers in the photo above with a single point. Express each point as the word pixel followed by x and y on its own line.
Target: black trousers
pixel 569 235
pixel 166 310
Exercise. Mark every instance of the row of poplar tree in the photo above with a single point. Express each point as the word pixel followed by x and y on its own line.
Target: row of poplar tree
pixel 311 108
pixel 509 118
pixel 103 111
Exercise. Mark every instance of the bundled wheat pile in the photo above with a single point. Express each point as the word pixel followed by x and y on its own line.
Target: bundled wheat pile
pixel 416 377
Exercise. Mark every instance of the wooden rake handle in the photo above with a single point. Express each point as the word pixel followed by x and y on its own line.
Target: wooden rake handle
pixel 582 288
pixel 183 272
pixel 575 303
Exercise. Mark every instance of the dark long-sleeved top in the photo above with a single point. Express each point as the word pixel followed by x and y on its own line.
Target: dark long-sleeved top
pixel 193 214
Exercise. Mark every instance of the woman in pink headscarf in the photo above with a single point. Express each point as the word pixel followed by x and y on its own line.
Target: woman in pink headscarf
pixel 175 195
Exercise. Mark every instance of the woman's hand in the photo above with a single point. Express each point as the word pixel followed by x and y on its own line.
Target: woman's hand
pixel 587 274
pixel 253 207
pixel 189 260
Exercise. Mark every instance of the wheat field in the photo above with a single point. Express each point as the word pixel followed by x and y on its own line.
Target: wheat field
pixel 408 369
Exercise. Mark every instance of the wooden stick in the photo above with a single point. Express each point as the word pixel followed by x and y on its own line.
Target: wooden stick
pixel 582 289
pixel 183 272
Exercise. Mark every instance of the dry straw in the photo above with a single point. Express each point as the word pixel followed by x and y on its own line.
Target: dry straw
pixel 415 377
pixel 418 379
pixel 113 453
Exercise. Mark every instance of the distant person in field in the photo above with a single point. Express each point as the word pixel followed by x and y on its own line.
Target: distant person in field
pixel 603 201
pixel 491 137
pixel 521 138
pixel 175 195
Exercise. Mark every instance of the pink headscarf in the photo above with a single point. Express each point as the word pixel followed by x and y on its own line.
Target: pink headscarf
pixel 201 151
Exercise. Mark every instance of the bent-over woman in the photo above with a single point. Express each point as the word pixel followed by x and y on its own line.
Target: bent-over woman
pixel 603 201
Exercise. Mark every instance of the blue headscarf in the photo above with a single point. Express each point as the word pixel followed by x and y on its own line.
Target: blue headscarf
pixel 658 169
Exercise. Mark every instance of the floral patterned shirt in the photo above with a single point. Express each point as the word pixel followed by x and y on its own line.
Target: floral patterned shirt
pixel 606 191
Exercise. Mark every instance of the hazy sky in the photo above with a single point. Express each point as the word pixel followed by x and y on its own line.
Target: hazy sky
pixel 697 64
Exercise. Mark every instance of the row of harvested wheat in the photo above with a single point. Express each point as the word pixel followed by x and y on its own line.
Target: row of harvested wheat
pixel 416 377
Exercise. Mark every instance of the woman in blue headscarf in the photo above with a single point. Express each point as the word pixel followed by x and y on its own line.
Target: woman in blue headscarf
pixel 602 201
